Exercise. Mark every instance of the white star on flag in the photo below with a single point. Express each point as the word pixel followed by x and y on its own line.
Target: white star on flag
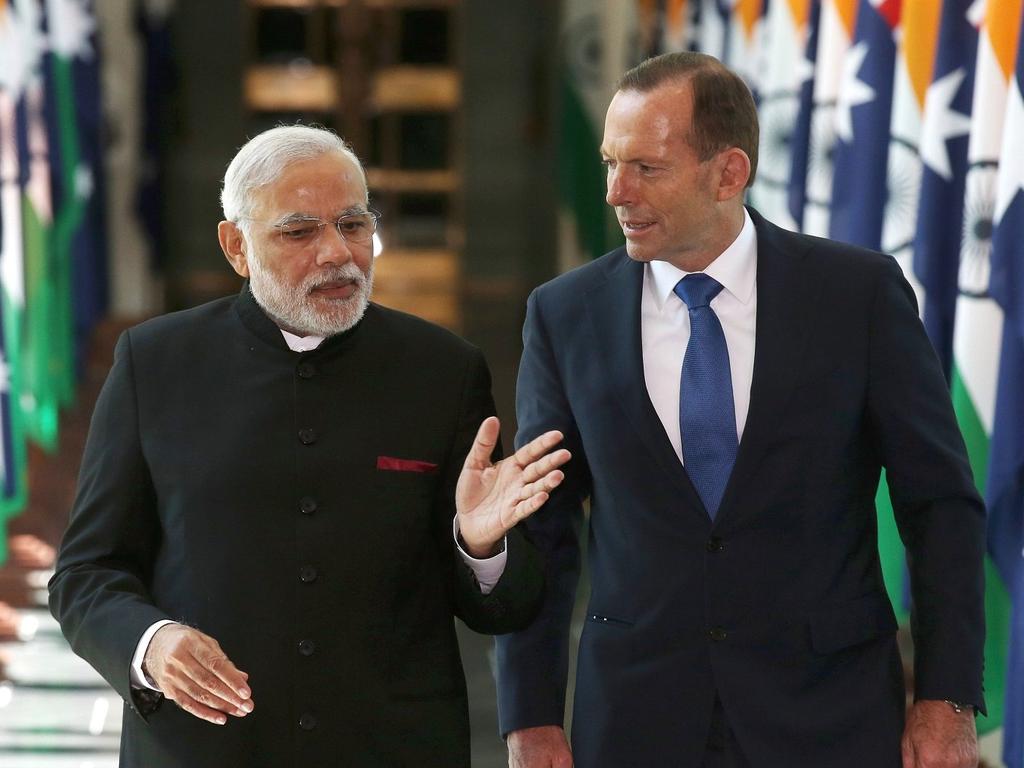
pixel 71 26
pixel 853 92
pixel 942 123
pixel 976 13
pixel 21 46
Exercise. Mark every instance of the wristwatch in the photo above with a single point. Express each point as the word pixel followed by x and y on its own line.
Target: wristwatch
pixel 958 708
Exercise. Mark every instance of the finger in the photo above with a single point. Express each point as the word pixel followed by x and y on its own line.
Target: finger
pixel 197 708
pixel 545 464
pixel 537 447
pixel 527 507
pixel 229 674
pixel 907 752
pixel 185 684
pixel 217 675
pixel 479 456
pixel 546 484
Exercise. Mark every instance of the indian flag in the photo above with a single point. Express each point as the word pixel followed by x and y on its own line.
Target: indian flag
pixel 835 33
pixel 979 326
pixel 786 69
pixel 915 58
pixel 746 36
pixel 597 40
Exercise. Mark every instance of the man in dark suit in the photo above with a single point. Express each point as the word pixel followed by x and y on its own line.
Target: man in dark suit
pixel 270 498
pixel 729 392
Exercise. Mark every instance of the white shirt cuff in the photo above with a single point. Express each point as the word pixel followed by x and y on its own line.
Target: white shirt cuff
pixel 138 677
pixel 488 570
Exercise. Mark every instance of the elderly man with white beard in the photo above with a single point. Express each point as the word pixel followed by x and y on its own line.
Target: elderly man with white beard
pixel 287 495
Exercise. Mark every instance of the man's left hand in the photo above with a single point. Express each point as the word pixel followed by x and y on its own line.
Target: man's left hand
pixel 937 736
pixel 491 498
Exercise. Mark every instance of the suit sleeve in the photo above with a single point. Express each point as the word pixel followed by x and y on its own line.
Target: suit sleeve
pixel 940 516
pixel 99 591
pixel 514 600
pixel 533 663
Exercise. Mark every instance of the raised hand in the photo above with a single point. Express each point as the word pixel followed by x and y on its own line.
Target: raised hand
pixel 190 668
pixel 491 498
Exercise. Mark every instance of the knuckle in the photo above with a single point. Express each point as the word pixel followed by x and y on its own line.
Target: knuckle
pixel 208 681
pixel 194 692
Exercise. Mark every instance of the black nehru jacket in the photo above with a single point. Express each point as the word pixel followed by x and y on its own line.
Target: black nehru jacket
pixel 232 484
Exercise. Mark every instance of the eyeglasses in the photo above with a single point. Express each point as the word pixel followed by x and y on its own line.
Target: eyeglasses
pixel 300 232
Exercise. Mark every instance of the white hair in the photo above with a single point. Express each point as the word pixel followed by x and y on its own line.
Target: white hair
pixel 265 156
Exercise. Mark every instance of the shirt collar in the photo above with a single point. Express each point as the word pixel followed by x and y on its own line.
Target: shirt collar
pixel 735 268
pixel 301 343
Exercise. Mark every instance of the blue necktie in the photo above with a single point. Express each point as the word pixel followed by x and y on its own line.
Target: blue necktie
pixel 707 415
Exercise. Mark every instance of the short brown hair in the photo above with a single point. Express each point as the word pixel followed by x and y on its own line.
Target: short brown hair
pixel 724 114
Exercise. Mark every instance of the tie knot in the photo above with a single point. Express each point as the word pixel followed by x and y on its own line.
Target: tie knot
pixel 697 290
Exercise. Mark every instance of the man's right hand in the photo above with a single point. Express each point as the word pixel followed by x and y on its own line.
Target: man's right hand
pixel 542 747
pixel 191 669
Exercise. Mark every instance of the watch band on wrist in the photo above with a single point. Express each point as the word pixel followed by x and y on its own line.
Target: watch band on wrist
pixel 959 708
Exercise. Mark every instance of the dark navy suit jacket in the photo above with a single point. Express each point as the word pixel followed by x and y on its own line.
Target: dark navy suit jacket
pixel 778 607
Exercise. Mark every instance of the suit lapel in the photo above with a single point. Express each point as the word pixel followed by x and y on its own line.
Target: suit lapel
pixel 787 292
pixel 614 309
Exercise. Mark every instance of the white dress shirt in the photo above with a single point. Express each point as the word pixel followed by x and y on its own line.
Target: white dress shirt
pixel 486 571
pixel 665 328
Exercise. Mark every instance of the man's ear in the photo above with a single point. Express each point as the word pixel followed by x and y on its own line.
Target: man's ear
pixel 734 170
pixel 232 242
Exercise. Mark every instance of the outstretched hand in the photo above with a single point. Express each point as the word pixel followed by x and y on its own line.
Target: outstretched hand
pixel 491 498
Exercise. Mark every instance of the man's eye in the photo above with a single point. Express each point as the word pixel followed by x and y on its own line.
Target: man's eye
pixel 609 164
pixel 298 231
pixel 352 226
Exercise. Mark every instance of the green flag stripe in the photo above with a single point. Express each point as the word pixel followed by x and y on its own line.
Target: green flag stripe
pixel 997 601
pixel 890 550
pixel 67 222
pixel 581 176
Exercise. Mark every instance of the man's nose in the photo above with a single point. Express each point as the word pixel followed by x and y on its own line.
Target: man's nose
pixel 332 248
pixel 619 189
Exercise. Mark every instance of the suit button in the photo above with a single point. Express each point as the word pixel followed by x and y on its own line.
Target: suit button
pixel 307 573
pixel 307 436
pixel 717 634
pixel 715 544
pixel 306 370
pixel 308 505
pixel 307 647
pixel 307 722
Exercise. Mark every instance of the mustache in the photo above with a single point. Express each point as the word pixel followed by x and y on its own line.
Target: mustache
pixel 332 274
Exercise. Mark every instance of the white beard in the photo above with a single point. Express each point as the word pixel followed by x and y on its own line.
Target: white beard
pixel 299 312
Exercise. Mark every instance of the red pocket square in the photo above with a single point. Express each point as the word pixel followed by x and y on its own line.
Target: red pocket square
pixel 405 465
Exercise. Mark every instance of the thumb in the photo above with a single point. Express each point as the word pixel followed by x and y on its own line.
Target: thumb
pixel 479 456
pixel 907 750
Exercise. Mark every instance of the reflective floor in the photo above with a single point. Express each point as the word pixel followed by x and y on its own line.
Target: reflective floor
pixel 55 711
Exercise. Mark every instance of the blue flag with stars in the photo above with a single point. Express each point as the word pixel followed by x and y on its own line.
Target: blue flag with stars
pixel 944 138
pixel 862 121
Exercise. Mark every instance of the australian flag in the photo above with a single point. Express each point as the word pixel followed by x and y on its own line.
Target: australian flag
pixel 862 121
pixel 944 139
